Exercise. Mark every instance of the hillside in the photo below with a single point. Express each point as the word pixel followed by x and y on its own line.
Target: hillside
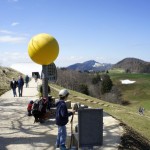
pixel 6 75
pixel 132 95
pixel 130 65
pixel 133 65
pixel 136 126
pixel 90 66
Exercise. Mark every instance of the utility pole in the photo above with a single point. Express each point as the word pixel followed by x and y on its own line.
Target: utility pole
pixel 45 81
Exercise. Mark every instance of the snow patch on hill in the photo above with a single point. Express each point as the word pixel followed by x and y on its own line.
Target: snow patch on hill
pixel 98 65
pixel 127 81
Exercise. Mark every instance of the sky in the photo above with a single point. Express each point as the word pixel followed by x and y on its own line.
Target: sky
pixel 106 31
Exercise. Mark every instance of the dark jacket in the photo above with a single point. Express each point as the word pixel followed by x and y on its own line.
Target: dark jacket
pixel 13 85
pixel 27 79
pixel 20 82
pixel 62 113
pixel 44 105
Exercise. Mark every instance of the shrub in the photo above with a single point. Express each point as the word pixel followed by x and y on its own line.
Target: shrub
pixel 83 88
pixel 40 89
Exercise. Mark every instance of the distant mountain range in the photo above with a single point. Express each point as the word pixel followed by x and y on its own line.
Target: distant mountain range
pixel 130 64
pixel 90 66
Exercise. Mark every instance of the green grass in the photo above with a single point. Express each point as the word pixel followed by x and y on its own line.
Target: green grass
pixel 116 70
pixel 138 94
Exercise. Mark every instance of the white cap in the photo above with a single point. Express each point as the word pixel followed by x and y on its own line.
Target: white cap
pixel 63 93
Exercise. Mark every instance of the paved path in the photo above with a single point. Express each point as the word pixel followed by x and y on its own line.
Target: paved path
pixel 18 132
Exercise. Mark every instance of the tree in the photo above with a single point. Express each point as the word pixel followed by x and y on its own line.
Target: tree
pixel 107 71
pixel 114 96
pixel 127 70
pixel 96 79
pixel 83 88
pixel 106 84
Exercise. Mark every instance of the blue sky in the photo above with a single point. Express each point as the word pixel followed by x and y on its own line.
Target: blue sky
pixel 103 30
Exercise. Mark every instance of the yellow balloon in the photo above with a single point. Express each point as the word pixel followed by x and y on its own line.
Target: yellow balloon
pixel 43 49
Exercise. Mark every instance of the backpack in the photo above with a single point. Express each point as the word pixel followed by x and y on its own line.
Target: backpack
pixel 40 105
pixel 37 107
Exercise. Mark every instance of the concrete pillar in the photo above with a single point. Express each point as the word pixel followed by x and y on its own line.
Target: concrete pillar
pixel 90 124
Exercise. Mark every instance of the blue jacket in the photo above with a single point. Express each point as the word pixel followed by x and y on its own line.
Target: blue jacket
pixel 62 113
pixel 20 82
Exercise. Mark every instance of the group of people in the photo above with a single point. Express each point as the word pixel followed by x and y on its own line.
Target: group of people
pixel 38 109
pixel 18 83
pixel 62 115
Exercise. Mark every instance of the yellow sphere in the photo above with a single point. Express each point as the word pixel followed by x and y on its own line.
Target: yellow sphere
pixel 43 49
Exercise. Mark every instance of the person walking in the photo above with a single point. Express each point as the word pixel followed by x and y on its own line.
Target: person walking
pixel 35 77
pixel 27 80
pixel 62 116
pixel 13 85
pixel 20 86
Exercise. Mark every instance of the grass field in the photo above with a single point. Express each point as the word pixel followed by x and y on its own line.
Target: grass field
pixel 138 94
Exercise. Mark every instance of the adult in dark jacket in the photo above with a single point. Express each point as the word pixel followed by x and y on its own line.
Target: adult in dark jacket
pixel 20 86
pixel 13 85
pixel 62 116
pixel 27 80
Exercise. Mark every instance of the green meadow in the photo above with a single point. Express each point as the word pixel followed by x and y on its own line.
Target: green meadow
pixel 138 94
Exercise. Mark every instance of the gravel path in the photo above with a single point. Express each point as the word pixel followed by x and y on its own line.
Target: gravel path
pixel 19 132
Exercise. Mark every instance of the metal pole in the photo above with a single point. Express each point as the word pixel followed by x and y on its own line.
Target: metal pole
pixel 45 81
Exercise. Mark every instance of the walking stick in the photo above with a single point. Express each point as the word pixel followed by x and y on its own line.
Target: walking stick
pixel 71 121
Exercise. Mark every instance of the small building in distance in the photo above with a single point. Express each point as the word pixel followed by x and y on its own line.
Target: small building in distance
pixel 35 75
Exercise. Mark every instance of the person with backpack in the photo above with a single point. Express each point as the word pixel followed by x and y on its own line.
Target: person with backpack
pixel 39 110
pixel 13 85
pixel 62 116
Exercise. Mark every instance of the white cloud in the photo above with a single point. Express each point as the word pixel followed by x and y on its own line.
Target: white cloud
pixel 11 57
pixel 6 32
pixel 15 23
pixel 64 61
pixel 12 39
pixel 27 68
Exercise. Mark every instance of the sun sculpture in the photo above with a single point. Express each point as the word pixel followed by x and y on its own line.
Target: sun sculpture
pixel 43 49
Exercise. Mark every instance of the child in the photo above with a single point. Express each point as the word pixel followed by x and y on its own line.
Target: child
pixel 62 116
pixel 29 108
